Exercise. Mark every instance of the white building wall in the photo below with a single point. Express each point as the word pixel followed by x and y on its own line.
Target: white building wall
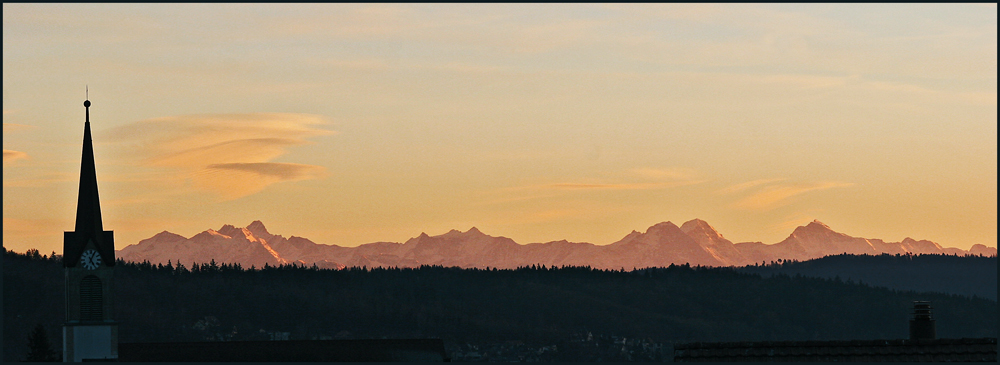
pixel 89 342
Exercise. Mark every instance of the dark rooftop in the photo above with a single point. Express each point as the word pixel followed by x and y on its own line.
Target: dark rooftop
pixel 408 350
pixel 935 350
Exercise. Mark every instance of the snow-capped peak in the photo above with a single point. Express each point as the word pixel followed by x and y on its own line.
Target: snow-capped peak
pixel 700 227
pixel 257 227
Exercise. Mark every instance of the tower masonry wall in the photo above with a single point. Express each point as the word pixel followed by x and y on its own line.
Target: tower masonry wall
pixel 87 342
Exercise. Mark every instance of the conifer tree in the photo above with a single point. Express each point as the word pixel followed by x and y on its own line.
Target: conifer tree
pixel 39 348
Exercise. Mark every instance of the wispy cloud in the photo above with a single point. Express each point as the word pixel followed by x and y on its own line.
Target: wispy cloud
pixel 236 150
pixel 747 185
pixel 649 179
pixel 627 186
pixel 34 227
pixel 9 156
pixel 229 154
pixel 283 171
pixel 558 213
pixel 676 174
pixel 14 127
pixel 543 216
pixel 43 180
pixel 234 180
pixel 776 195
pixel 653 179
pixel 979 98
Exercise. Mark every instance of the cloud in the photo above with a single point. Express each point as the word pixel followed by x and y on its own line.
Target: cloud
pixel 747 185
pixel 167 135
pixel 9 156
pixel 668 174
pixel 543 216
pixel 14 127
pixel 234 180
pixel 627 186
pixel 43 180
pixel 661 179
pixel 237 150
pixel 229 154
pixel 654 179
pixel 979 98
pixel 283 171
pixel 493 27
pixel 351 22
pixel 558 212
pixel 773 196
pixel 34 227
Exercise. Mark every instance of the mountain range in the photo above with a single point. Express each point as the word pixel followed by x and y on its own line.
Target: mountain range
pixel 695 242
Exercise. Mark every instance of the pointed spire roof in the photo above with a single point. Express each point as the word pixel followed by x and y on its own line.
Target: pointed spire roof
pixel 88 206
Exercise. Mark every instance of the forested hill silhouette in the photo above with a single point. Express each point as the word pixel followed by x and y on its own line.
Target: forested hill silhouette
pixel 971 276
pixel 695 243
pixel 540 305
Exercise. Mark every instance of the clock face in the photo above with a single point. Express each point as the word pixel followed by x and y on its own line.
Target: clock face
pixel 90 259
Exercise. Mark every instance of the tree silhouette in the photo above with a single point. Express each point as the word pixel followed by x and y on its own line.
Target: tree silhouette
pixel 39 348
pixel 542 305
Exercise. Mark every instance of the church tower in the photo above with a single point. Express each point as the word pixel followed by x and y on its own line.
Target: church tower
pixel 90 331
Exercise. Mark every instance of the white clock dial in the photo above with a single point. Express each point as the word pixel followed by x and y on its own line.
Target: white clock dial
pixel 90 259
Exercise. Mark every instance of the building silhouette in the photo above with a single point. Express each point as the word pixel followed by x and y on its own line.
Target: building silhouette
pixel 922 346
pixel 377 350
pixel 90 331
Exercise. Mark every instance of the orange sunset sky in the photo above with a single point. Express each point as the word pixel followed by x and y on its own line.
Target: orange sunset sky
pixel 349 124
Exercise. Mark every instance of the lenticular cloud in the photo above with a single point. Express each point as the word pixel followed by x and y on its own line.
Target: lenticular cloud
pixel 229 154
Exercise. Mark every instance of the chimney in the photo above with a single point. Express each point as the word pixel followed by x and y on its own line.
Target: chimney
pixel 922 324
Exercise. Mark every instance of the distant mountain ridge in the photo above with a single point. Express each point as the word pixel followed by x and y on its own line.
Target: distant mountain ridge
pixel 695 242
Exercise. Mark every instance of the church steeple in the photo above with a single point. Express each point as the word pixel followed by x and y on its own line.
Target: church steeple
pixel 90 331
pixel 89 228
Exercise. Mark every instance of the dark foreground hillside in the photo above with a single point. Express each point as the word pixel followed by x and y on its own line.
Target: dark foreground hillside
pixel 963 275
pixel 550 309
